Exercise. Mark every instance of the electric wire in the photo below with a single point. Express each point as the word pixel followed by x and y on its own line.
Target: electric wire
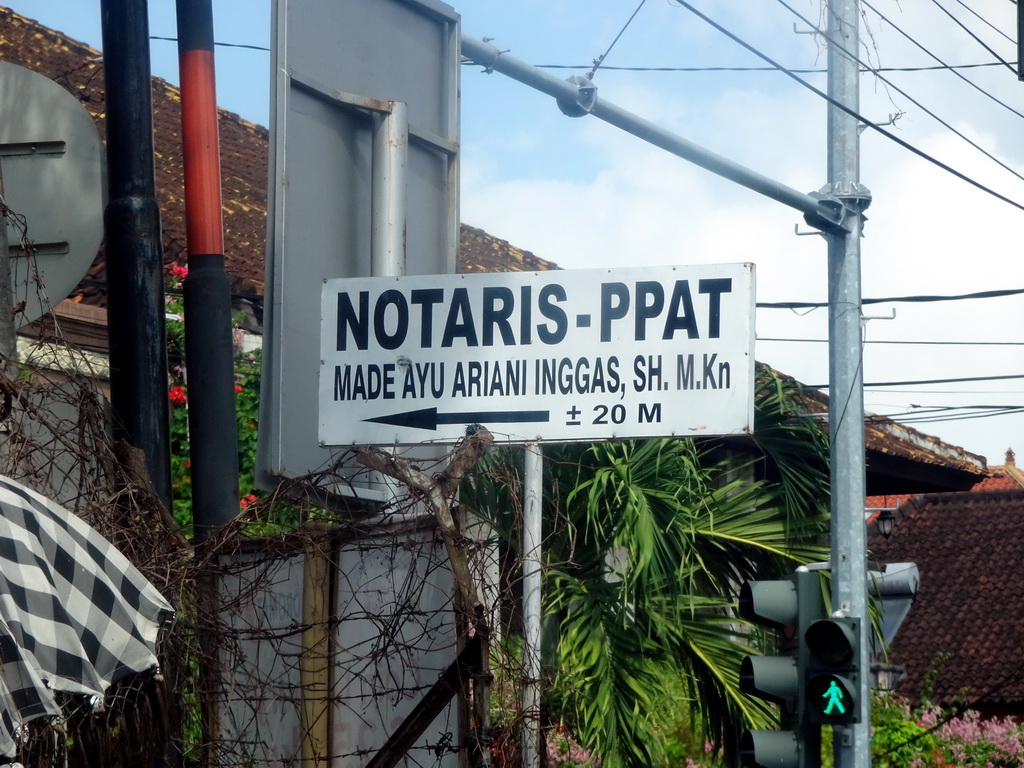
pixel 220 45
pixel 973 36
pixel 600 59
pixel 874 126
pixel 947 414
pixel 986 21
pixel 949 391
pixel 799 71
pixel 923 299
pixel 853 56
pixel 905 343
pixel 967 80
pixel 935 413
pixel 924 382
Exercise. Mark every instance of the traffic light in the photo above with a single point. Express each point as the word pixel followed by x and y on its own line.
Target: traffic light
pixel 832 675
pixel 790 606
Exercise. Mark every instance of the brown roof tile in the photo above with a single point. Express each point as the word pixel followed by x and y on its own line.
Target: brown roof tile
pixel 903 453
pixel 968 548
pixel 481 252
pixel 244 158
pixel 902 459
pixel 998 482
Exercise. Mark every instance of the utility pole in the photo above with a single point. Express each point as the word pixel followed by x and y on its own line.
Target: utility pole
pixel 533 563
pixel 851 746
pixel 209 355
pixel 135 293
pixel 837 209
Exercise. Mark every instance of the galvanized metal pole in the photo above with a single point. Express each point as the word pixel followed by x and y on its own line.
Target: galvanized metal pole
pixel 852 747
pixel 389 191
pixel 533 482
pixel 578 96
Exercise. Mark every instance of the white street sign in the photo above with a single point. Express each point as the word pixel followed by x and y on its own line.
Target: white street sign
pixel 549 356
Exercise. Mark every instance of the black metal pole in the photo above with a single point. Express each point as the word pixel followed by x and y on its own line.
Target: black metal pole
pixel 135 295
pixel 1020 42
pixel 209 355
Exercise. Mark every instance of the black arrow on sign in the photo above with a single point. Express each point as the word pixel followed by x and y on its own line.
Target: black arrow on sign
pixel 429 418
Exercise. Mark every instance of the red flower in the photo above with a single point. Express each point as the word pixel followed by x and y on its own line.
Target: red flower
pixel 177 270
pixel 238 388
pixel 177 395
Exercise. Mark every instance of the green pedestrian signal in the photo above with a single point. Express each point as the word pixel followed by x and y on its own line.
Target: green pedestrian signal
pixel 834 694
pixel 833 671
pixel 829 695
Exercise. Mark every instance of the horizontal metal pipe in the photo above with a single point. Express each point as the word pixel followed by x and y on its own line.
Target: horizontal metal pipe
pixel 493 59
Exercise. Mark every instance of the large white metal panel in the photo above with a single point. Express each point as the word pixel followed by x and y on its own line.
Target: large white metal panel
pixel 259 713
pixel 395 637
pixel 393 634
pixel 546 356
pixel 336 65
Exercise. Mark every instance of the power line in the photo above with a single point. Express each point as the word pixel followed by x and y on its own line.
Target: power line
pixel 952 413
pixel 912 343
pixel 920 382
pixel 986 21
pixel 958 74
pixel 600 59
pixel 925 410
pixel 924 299
pixel 949 391
pixel 938 414
pixel 800 71
pixel 853 56
pixel 973 36
pixel 874 126
pixel 219 45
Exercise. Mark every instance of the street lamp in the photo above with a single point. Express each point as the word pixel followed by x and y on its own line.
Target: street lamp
pixel 885 521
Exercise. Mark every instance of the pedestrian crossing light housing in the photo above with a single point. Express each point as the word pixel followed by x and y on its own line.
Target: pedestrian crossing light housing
pixel 789 607
pixel 833 671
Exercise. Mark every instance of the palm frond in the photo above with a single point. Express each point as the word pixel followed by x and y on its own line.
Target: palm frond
pixel 646 544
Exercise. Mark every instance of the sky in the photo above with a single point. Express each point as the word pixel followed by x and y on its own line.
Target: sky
pixel 583 194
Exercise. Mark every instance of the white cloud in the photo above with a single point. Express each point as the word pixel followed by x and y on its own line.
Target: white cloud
pixel 617 202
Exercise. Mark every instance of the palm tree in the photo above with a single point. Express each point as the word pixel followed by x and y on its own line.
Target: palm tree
pixel 646 544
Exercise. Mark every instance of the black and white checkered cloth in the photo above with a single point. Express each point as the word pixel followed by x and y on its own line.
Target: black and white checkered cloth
pixel 75 614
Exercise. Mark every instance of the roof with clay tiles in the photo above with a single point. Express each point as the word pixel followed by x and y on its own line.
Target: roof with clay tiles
pixel 244 158
pixel 968 618
pixel 898 455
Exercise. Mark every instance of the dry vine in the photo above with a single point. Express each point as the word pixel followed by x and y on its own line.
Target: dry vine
pixel 307 630
pixel 400 576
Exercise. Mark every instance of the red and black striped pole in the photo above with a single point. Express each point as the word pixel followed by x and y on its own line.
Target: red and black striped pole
pixel 209 354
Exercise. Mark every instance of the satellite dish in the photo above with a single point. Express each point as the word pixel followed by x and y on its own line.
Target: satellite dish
pixel 53 174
